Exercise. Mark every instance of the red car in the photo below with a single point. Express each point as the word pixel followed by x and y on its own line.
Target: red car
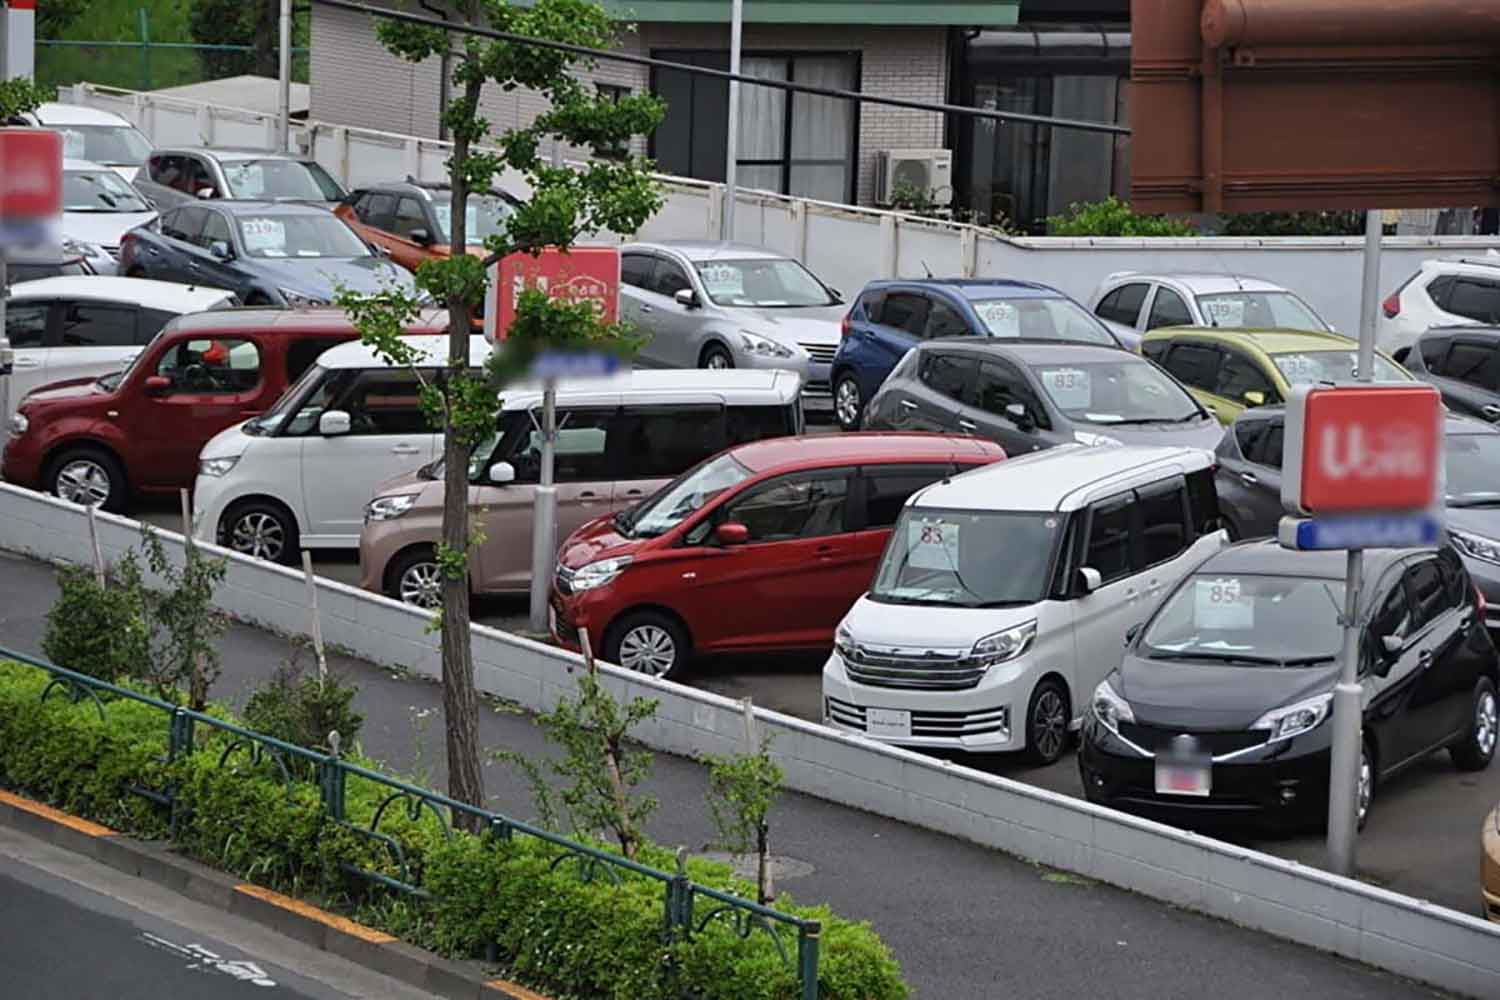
pixel 95 441
pixel 763 547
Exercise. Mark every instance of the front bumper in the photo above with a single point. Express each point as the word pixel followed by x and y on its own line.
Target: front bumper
pixel 21 462
pixel 211 498
pixel 817 387
pixel 981 719
pixel 567 613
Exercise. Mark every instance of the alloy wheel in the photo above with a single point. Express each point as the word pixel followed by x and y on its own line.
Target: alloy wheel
pixel 1486 723
pixel 258 534
pixel 1049 725
pixel 422 585
pixel 717 361
pixel 648 649
pixel 84 481
pixel 846 402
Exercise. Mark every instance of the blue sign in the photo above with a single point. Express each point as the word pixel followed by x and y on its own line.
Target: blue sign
pixel 26 232
pixel 573 364
pixel 1366 531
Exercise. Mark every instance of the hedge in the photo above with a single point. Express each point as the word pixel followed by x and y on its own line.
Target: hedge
pixel 556 931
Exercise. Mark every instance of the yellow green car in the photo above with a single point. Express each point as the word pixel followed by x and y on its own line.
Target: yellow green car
pixel 1230 370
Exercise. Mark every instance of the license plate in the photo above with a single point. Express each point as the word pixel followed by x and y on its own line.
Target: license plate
pixel 890 723
pixel 1183 779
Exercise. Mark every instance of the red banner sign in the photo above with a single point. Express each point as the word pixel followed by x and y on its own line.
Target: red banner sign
pixel 579 274
pixel 30 174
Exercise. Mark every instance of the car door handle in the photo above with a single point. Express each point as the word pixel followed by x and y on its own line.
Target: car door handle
pixel 645 308
pixel 1248 478
pixel 1493 412
pixel 908 404
pixel 1424 657
pixel 588 495
pixel 249 413
pixel 825 551
pixel 405 449
pixel 27 363
pixel 635 493
pixel 968 425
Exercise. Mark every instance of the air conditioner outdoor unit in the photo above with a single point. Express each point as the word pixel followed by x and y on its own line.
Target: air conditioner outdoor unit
pixel 928 171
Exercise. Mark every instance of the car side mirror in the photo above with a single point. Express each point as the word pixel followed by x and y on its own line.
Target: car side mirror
pixel 1392 644
pixel 1255 397
pixel 1022 416
pixel 421 237
pixel 334 423
pixel 158 385
pixel 687 298
pixel 221 250
pixel 502 473
pixel 731 533
pixel 1089 579
pixel 205 193
pixel 1132 632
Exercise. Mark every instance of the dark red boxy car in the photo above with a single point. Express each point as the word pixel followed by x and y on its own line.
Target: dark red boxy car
pixel 95 441
pixel 764 547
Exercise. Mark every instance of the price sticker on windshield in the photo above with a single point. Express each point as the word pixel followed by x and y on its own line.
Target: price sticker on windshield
pixel 74 145
pixel 932 545
pixel 1225 312
pixel 1220 604
pixel 264 236
pixel 1299 368
pixel 1070 388
pixel 723 281
pixel 1000 318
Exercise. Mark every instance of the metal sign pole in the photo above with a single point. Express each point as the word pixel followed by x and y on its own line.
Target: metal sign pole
pixel 544 513
pixel 732 144
pixel 1345 776
pixel 284 91
pixel 4 382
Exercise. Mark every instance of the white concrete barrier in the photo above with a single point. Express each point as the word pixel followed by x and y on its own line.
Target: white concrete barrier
pixel 1407 936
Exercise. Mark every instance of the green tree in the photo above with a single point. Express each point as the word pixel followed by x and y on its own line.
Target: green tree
pixel 256 25
pixel 55 16
pixel 185 625
pixel 613 192
pixel 19 95
pixel 742 788
pixel 1113 217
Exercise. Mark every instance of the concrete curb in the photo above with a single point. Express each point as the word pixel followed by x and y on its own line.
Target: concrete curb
pixel 293 918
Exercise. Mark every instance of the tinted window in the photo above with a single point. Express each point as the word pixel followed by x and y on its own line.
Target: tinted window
pixel 1476 364
pixel 1248 434
pixel 212 367
pixel 1164 529
pixel 945 321
pixel 1123 305
pixel 794 507
pixel 887 490
pixel 1168 310
pixel 199 177
pixel 1455 578
pixel 873 303
pixel 1203 501
pixel 1433 349
pixel 300 355
pixel 635 269
pixel 149 324
pixel 1425 591
pixel 670 278
pixel 582 453
pixel 409 216
pixel 87 324
pixel 184 224
pixel 1194 365
pixel 1475 299
pixel 1438 290
pixel 215 230
pixel 1392 617
pixel 386 401
pixel 380 210
pixel 945 373
pixel 165 170
pixel 999 385
pixel 905 311
pixel 664 443
pixel 1239 375
pixel 26 323
pixel 1270 453
pixel 1108 548
pixel 752 423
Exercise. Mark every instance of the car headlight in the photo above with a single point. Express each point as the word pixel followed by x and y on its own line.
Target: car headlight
pixel 1001 646
pixel 1296 719
pixel 1485 549
pixel 763 347
pixel 217 467
pixel 1109 708
pixel 843 643
pixel 597 574
pixel 389 508
pixel 86 249
pixel 300 299
pixel 1088 438
pixel 19 423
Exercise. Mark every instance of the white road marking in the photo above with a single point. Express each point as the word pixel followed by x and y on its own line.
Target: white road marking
pixel 200 958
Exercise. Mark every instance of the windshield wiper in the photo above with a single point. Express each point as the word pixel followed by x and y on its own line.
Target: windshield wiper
pixel 1209 654
pixel 1307 661
pixel 1153 420
pixel 1004 604
pixel 1476 502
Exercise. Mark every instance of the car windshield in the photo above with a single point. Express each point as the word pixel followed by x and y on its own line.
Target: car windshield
pixel 1259 311
pixel 305 235
pixel 112 145
pixel 296 180
pixel 762 284
pixel 484 216
pixel 1041 319
pixel 306 399
pixel 99 191
pixel 1303 367
pixel 690 493
pixel 1472 470
pixel 1128 391
pixel 1248 618
pixel 967 559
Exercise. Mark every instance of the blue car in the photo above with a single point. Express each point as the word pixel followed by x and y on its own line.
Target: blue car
pixel 268 253
pixel 891 317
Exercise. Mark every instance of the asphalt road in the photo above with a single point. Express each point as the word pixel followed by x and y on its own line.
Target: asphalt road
pixel 75 929
pixel 966 923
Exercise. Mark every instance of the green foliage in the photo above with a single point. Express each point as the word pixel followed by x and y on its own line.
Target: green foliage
pixel 1113 217
pixel 185 625
pixel 741 791
pixel 19 95
pixel 255 25
pixel 562 927
pixel 99 631
pixel 301 708
pixel 1294 224
pixel 55 16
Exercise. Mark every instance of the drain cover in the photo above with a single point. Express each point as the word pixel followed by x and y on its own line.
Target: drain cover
pixel 746 865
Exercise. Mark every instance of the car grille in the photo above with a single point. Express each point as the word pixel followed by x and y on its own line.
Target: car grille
pixel 564 580
pixel 938 725
pixel 821 354
pixel 817 388
pixel 1157 739
pixel 912 667
pixel 114 252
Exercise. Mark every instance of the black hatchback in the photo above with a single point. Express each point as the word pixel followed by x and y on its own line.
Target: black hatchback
pixel 1463 362
pixel 1219 710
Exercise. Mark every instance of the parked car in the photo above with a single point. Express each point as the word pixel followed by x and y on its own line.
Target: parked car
pixel 183 175
pixel 762 548
pixel 1218 710
pixel 98 440
pixel 1489 865
pixel 1229 370
pixel 1000 602
pixel 1449 291
pixel 98 210
pixel 727 305
pixel 1029 395
pixel 1249 485
pixel 620 440
pixel 85 327
pixel 32 263
pixel 889 318
pixel 411 221
pixel 300 475
pixel 268 253
pixel 92 135
pixel 1141 302
pixel 1464 363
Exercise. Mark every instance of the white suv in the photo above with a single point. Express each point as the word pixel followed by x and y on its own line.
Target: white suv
pixel 1005 594
pixel 1451 291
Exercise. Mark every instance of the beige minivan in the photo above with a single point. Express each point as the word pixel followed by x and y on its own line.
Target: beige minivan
pixel 619 441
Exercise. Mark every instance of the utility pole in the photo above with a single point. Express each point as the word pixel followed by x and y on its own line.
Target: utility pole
pixel 732 145
pixel 284 91
pixel 544 513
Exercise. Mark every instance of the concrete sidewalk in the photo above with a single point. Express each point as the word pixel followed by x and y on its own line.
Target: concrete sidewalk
pixel 965 922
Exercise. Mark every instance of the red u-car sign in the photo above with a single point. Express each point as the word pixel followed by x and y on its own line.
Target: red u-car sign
pixel 1362 449
pixel 581 273
pixel 30 176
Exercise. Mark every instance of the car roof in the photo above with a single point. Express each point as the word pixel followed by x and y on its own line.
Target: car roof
pixel 1201 282
pixel 1061 479
pixel 58 113
pixel 234 153
pixel 818 451
pixel 238 208
pixel 292 321
pixel 166 295
pixel 1268 557
pixel 1032 352
pixel 696 250
pixel 1453 423
pixel 644 387
pixel 430 351
pixel 974 289
pixel 70 164
pixel 424 188
pixel 1448 329
pixel 1272 341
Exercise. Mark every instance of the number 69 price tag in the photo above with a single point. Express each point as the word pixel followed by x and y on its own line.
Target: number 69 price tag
pixel 1219 604
pixel 933 544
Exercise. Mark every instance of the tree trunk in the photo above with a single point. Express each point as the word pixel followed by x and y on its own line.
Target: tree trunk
pixel 460 702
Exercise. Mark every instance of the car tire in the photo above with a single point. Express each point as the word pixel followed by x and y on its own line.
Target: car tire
pixel 136 272
pixel 257 299
pixel 415 577
pixel 1477 748
pixel 261 529
pixel 716 356
pixel 89 477
pixel 1047 718
pixel 848 402
pixel 1365 786
pixel 649 643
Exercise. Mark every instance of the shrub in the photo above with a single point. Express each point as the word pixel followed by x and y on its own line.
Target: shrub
pixel 1113 217
pixel 299 708
pixel 98 630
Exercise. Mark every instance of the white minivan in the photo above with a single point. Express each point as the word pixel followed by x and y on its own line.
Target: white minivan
pixel 1004 596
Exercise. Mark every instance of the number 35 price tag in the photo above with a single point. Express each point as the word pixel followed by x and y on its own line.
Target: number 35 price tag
pixel 933 544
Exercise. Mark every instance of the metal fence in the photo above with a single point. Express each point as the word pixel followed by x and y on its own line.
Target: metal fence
pixel 189 732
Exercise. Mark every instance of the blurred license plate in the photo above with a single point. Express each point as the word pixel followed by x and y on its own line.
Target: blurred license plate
pixel 891 723
pixel 1183 779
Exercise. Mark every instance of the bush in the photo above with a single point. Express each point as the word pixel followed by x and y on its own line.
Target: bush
pixel 298 708
pixel 99 631
pixel 556 930
pixel 1113 217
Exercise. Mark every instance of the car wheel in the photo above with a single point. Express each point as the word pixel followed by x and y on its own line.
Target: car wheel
pixel 257 299
pixel 716 357
pixel 415 577
pixel 1364 789
pixel 648 643
pixel 1047 722
pixel 848 406
pixel 262 530
pixel 1475 751
pixel 89 477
